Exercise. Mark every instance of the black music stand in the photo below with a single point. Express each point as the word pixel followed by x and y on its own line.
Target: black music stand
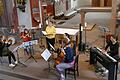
pixel 31 50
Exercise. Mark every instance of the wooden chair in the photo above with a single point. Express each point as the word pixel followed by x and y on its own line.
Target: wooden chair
pixel 73 69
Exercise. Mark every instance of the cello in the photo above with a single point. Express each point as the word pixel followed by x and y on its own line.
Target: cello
pixel 60 57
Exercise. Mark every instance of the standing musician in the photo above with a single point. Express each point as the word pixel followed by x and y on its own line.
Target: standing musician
pixel 25 36
pixel 51 32
pixel 4 51
pixel 68 59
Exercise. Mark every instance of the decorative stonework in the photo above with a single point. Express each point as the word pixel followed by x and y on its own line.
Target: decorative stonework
pixel 60 7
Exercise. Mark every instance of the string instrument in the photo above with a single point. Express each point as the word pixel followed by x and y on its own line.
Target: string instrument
pixel 60 57
pixel 61 54
pixel 25 37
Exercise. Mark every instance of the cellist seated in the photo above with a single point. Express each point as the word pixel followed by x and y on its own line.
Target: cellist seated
pixel 68 60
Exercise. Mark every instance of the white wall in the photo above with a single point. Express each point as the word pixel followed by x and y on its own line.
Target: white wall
pixel 73 4
pixel 24 18
pixel 82 3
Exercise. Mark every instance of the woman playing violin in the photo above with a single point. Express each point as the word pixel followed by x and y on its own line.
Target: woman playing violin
pixel 68 60
pixel 25 35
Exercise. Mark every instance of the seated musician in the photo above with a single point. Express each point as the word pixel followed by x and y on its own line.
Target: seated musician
pixel 25 36
pixel 113 44
pixel 68 60
pixel 4 51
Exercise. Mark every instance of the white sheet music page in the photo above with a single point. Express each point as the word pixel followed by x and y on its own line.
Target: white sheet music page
pixel 44 32
pixel 46 54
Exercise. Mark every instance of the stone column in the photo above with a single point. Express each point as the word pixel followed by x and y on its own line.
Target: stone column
pixel 113 16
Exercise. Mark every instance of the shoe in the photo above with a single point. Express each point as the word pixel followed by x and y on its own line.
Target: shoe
pixel 106 71
pixel 62 77
pixel 16 62
pixel 11 65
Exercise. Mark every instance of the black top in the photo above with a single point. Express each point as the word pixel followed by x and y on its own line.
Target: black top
pixel 1 48
pixel 114 48
pixel 4 48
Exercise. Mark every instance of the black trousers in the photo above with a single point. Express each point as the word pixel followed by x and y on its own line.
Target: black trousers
pixel 50 41
pixel 10 54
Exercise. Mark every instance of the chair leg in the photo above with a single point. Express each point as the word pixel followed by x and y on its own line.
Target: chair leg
pixel 77 72
pixel 65 73
pixel 75 75
pixel 1 60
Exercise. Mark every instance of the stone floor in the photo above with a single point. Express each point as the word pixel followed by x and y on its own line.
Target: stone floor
pixel 39 70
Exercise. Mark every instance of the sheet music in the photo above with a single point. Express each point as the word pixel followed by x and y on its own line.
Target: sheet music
pixel 24 44
pixel 29 43
pixel 16 48
pixel 46 54
pixel 44 32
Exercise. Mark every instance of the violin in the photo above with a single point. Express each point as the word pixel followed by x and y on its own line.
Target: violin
pixel 25 37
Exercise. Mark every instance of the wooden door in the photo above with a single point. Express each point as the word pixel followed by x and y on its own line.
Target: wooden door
pixel 95 3
pixel 35 12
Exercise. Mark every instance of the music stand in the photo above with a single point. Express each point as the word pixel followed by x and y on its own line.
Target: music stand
pixel 18 59
pixel 31 50
pixel 46 55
